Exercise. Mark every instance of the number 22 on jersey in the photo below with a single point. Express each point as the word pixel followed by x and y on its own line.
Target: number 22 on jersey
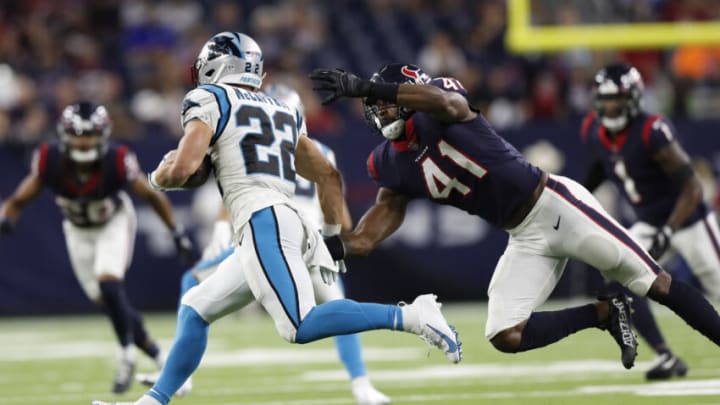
pixel 439 184
pixel 260 151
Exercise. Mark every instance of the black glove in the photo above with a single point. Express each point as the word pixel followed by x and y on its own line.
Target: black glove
pixel 340 84
pixel 660 242
pixel 5 227
pixel 185 249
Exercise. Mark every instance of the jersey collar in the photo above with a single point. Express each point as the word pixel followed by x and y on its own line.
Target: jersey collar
pixel 407 143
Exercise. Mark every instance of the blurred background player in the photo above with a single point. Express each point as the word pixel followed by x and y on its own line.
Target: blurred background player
pixel 642 156
pixel 306 199
pixel 439 147
pixel 88 176
pixel 254 146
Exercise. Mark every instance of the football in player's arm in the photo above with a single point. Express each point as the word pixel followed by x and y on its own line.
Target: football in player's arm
pixel 255 150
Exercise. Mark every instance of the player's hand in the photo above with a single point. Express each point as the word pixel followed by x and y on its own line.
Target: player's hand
pixel 185 249
pixel 329 276
pixel 339 83
pixel 5 226
pixel 660 242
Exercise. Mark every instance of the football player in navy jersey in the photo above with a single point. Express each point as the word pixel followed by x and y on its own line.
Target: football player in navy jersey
pixel 88 176
pixel 439 147
pixel 640 154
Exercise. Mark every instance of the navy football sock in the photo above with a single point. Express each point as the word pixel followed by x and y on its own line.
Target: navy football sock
pixel 694 309
pixel 544 328
pixel 642 318
pixel 118 308
pixel 140 336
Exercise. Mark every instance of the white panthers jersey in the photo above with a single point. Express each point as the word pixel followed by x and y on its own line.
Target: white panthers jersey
pixel 252 149
pixel 306 197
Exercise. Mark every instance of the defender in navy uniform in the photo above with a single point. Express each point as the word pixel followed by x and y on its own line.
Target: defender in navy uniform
pixel 440 148
pixel 88 176
pixel 641 155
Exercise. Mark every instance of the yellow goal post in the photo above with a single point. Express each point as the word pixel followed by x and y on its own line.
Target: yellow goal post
pixel 523 37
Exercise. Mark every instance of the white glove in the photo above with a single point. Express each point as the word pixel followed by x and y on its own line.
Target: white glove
pixel 329 276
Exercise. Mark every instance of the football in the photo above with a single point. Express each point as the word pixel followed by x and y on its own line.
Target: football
pixel 201 175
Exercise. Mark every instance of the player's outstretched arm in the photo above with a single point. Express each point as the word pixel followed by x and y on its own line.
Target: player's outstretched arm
pixel 379 221
pixel 11 208
pixel 178 165
pixel 445 106
pixel 314 166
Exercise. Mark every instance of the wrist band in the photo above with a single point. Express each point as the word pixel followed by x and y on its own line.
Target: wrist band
pixel 330 229
pixel 335 246
pixel 384 91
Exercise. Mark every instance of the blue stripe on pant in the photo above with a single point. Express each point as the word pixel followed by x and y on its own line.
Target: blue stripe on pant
pixel 266 234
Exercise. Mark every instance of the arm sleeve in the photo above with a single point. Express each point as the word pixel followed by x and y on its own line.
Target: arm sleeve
pixel 201 104
pixel 657 133
pixel 132 167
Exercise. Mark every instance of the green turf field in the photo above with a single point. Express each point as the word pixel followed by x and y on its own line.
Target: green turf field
pixel 70 360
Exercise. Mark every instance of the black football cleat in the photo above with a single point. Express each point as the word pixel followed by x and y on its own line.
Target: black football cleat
pixel 666 366
pixel 619 325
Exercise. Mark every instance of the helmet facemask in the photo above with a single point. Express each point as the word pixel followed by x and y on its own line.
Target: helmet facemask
pixel 617 96
pixel 376 116
pixel 84 129
pixel 379 114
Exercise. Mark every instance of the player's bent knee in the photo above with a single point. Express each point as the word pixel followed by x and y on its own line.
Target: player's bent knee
pixel 660 288
pixel 508 340
pixel 287 332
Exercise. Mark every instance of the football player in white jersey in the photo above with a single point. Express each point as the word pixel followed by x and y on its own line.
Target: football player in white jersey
pixel 253 143
pixel 306 199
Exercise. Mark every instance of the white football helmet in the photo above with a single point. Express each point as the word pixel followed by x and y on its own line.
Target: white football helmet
pixel 231 58
pixel 285 94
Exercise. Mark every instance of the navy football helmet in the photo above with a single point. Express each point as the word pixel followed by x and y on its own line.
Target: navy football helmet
pixel 229 57
pixel 84 129
pixel 623 83
pixel 389 119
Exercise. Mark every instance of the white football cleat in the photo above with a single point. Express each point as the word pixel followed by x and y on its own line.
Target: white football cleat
pixel 150 379
pixel 366 394
pixel 423 318
pixel 111 403
pixel 123 376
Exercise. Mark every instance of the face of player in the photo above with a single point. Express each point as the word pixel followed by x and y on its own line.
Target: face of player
pixel 84 149
pixel 387 112
pixel 612 107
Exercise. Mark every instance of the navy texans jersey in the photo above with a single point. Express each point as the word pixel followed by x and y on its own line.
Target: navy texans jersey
pixel 463 164
pixel 628 161
pixel 88 198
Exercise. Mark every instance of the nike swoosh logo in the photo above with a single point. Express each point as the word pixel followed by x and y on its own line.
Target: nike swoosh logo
pixel 557 225
pixel 242 236
pixel 452 347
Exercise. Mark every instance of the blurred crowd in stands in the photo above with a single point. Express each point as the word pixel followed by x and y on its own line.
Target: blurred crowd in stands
pixel 134 56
